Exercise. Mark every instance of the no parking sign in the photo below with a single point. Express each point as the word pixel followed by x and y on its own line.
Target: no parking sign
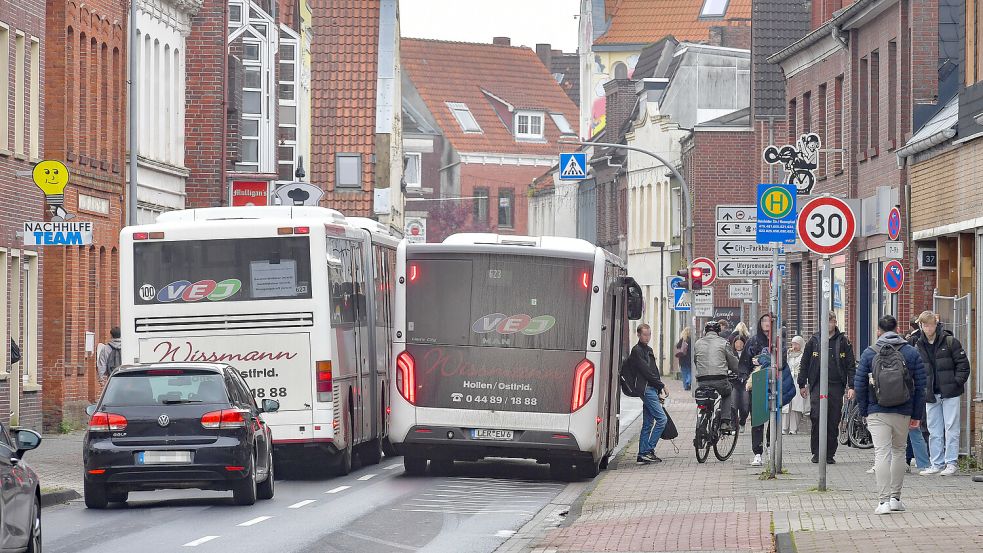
pixel 893 276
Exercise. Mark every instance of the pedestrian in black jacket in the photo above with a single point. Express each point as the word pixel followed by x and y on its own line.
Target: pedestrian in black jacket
pixel 641 362
pixel 842 368
pixel 946 373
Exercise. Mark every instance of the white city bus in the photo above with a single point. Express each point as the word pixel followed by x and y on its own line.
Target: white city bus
pixel 509 346
pixel 298 299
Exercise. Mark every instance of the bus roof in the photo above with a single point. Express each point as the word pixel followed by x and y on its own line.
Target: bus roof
pixel 555 243
pixel 252 212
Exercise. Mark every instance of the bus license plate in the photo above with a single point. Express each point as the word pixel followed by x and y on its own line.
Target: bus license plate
pixel 163 457
pixel 490 434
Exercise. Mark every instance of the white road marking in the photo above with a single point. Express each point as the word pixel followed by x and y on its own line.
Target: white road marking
pixel 303 503
pixel 338 489
pixel 256 520
pixel 393 466
pixel 504 533
pixel 200 541
pixel 368 477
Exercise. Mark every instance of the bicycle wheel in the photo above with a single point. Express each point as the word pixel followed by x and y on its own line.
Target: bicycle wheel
pixel 843 429
pixel 724 447
pixel 702 440
pixel 859 435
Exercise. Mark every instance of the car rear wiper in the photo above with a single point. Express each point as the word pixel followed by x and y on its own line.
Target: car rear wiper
pixel 177 401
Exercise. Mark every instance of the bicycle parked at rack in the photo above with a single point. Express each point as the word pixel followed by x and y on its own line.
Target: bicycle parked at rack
pixel 708 432
pixel 852 428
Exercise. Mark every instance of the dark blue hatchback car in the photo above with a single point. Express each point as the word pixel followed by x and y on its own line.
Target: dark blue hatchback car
pixel 177 426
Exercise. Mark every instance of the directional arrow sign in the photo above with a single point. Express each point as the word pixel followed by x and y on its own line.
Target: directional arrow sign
pixel 744 269
pixel 737 213
pixel 742 248
pixel 727 229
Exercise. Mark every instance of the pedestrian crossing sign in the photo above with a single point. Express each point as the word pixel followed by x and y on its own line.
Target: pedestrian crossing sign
pixel 573 166
pixel 681 300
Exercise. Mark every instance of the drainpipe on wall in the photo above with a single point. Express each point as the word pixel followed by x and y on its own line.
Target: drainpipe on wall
pixel 223 172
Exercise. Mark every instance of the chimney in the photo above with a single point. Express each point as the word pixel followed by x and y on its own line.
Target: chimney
pixel 545 53
pixel 502 41
pixel 620 100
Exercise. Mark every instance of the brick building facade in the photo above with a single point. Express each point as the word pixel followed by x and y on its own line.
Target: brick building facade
pixel 22 118
pixel 85 80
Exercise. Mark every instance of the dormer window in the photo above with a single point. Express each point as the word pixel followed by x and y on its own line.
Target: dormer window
pixel 714 8
pixel 464 117
pixel 529 125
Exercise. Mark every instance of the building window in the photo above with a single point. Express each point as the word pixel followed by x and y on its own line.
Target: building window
pixel 480 205
pixel 505 207
pixel 411 169
pixel 714 8
pixel 792 123
pixel 620 70
pixel 529 124
pixel 862 106
pixel 22 298
pixel 287 98
pixel 807 112
pixel 821 128
pixel 875 100
pixel 839 124
pixel 561 123
pixel 4 94
pixel 464 117
pixel 258 132
pixel 35 109
pixel 348 171
pixel 19 93
pixel 892 93
pixel 235 15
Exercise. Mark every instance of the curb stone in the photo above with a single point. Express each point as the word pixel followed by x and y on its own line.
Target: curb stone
pixel 784 543
pixel 57 497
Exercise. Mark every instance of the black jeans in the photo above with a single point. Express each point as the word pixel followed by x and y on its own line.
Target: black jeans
pixel 742 400
pixel 832 419
pixel 758 434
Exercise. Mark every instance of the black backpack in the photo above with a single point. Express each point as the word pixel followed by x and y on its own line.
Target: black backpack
pixel 628 379
pixel 890 378
pixel 114 361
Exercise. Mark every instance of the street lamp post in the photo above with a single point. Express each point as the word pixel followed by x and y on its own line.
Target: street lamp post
pixel 687 203
pixel 662 295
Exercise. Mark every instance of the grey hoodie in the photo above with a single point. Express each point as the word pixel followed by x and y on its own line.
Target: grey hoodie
pixel 104 355
pixel 867 402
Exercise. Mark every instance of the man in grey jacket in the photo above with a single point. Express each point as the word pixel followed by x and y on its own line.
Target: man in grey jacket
pixel 714 364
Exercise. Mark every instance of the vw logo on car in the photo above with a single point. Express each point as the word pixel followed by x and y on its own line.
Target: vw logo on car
pixel 163 420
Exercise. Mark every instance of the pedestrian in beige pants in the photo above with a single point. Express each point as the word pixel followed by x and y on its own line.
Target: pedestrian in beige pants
pixel 889 432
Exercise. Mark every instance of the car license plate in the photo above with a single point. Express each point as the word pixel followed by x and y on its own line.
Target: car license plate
pixel 491 434
pixel 163 457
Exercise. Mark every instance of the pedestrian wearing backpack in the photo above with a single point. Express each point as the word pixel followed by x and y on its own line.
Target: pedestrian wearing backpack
pixel 842 367
pixel 890 392
pixel 110 356
pixel 641 361
pixel 947 370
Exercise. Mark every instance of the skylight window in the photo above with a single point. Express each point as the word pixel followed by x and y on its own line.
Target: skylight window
pixel 464 117
pixel 714 8
pixel 561 123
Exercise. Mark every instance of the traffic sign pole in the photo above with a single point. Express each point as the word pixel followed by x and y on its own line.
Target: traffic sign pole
pixel 824 372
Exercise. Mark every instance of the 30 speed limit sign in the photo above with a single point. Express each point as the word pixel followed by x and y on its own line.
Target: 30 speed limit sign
pixel 826 225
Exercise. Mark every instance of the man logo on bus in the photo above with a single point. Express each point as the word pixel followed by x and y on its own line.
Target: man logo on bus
pixel 186 291
pixel 502 324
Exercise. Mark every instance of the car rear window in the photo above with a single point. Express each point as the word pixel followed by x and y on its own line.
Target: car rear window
pixel 165 387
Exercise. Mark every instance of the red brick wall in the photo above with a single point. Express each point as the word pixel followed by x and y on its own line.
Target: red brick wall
pixel 205 106
pixel 83 104
pixel 731 37
pixel 495 178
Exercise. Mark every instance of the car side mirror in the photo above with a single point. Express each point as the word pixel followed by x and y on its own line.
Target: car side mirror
pixel 271 406
pixel 90 410
pixel 26 440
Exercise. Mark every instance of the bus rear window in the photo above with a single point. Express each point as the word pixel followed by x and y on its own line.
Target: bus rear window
pixel 242 269
pixel 515 301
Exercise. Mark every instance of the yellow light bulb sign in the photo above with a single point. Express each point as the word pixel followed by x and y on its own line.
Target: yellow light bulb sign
pixel 51 177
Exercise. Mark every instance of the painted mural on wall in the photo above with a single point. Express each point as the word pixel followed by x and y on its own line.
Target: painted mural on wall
pixel 607 66
pixel 800 161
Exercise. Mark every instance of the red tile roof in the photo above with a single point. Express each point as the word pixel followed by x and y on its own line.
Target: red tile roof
pixel 343 89
pixel 463 72
pixel 645 21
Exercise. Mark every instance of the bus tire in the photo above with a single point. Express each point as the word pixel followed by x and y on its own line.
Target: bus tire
pixel 415 466
pixel 442 467
pixel 371 452
pixel 562 471
pixel 388 448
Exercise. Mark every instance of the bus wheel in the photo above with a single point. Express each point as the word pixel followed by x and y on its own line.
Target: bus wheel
pixel 442 467
pixel 415 466
pixel 562 471
pixel 370 453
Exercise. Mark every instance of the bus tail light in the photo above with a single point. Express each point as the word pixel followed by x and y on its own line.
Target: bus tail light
pixel 224 419
pixel 585 280
pixel 413 272
pixel 583 385
pixel 406 376
pixel 324 381
pixel 107 422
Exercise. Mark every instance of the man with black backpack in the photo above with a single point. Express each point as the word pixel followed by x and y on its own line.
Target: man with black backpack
pixel 110 356
pixel 890 391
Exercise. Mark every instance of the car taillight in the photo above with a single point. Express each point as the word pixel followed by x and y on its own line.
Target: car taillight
pixel 583 385
pixel 107 422
pixel 324 382
pixel 224 419
pixel 406 376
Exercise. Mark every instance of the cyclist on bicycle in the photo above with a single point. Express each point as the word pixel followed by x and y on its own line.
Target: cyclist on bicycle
pixel 715 364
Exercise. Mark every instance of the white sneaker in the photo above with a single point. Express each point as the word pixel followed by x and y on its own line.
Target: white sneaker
pixel 949 470
pixel 756 462
pixel 896 505
pixel 870 470
pixel 930 471
pixel 883 509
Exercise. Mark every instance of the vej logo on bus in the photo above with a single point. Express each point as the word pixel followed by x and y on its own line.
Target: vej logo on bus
pixel 186 291
pixel 503 324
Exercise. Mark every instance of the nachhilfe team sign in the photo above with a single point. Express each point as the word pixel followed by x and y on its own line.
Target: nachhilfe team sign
pixel 57 234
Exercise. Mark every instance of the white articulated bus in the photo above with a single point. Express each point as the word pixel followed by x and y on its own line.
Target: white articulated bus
pixel 509 346
pixel 298 299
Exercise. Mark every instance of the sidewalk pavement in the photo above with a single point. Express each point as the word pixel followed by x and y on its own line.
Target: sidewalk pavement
pixel 58 462
pixel 680 505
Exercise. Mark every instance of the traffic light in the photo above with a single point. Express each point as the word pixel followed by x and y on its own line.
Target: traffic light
pixel 696 278
pixel 683 274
